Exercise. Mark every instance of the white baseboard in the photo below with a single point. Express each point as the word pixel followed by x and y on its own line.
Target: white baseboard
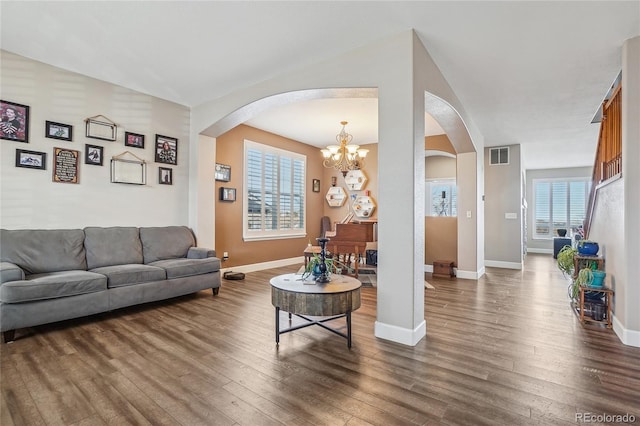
pixel 470 275
pixel 500 264
pixel 428 268
pixel 401 335
pixel 539 250
pixel 265 265
pixel 626 336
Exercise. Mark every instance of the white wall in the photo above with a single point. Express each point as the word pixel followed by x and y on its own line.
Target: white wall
pixel 29 198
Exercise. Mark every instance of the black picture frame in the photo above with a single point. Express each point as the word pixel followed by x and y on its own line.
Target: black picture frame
pixel 60 131
pixel 93 155
pixel 316 185
pixel 165 176
pixel 66 165
pixel 166 150
pixel 223 172
pixel 31 159
pixel 227 194
pixel 14 124
pixel 134 140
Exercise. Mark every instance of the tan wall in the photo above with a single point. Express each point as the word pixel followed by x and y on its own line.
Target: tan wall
pixel 439 143
pixel 441 239
pixel 370 169
pixel 440 233
pixel 230 151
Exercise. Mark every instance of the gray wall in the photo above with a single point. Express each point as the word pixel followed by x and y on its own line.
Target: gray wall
pixel 30 199
pixel 503 236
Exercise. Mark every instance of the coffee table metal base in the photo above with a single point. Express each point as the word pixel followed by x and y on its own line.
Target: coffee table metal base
pixel 311 321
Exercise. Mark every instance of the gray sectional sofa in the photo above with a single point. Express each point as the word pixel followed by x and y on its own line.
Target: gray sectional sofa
pixel 54 275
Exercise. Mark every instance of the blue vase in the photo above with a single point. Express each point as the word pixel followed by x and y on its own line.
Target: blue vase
pixel 588 248
pixel 598 279
pixel 316 270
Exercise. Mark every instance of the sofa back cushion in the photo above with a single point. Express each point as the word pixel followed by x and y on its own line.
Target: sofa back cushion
pixel 167 242
pixel 112 246
pixel 38 251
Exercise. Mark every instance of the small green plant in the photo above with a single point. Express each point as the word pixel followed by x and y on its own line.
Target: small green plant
pixel 584 278
pixel 565 260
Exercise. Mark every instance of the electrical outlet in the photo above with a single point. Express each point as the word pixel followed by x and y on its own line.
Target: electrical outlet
pixel 225 255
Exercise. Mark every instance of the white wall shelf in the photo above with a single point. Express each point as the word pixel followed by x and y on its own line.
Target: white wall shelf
pixel 363 206
pixel 355 180
pixel 336 196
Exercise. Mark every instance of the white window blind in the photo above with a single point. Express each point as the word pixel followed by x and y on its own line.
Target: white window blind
pixel 559 204
pixel 274 200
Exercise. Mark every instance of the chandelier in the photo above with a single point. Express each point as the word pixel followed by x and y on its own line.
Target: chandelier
pixel 346 156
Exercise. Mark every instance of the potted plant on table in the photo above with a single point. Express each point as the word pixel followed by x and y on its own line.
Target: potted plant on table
pixel 565 260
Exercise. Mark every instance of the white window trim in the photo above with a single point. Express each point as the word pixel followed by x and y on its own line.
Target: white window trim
pixel 253 235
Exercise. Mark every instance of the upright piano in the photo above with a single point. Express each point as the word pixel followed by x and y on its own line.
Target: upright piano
pixel 349 241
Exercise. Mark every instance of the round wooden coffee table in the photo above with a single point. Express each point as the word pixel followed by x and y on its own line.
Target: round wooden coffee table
pixel 303 298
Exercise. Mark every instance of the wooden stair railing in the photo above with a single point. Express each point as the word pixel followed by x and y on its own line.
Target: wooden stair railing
pixel 608 162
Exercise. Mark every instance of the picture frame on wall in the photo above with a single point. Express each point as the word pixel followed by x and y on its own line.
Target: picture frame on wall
pixel 227 194
pixel 66 165
pixel 316 185
pixel 223 172
pixel 93 154
pixel 165 176
pixel 31 159
pixel 166 150
pixel 59 131
pixel 14 124
pixel 101 127
pixel 134 140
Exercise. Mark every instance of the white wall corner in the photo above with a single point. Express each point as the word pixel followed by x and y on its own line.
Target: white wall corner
pixel 626 336
pixel 401 335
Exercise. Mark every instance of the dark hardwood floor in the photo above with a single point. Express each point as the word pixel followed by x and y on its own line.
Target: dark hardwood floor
pixel 505 350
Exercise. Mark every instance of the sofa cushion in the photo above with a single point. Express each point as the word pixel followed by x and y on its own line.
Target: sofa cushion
pixel 38 251
pixel 112 246
pixel 123 275
pixel 167 242
pixel 52 285
pixel 10 272
pixel 177 268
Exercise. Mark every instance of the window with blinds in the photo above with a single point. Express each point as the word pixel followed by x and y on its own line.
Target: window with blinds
pixel 559 204
pixel 274 199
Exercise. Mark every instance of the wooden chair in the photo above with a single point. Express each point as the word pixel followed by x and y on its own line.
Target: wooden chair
pixel 346 252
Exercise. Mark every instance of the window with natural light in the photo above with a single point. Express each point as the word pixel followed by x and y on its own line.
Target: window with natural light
pixel 441 199
pixel 274 199
pixel 559 203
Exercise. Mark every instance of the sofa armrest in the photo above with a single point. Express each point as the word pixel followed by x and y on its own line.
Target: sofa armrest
pixel 10 272
pixel 200 253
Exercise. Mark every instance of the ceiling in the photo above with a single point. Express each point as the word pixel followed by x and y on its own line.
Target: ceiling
pixel 530 73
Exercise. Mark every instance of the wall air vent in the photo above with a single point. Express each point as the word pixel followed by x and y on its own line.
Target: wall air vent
pixel 499 155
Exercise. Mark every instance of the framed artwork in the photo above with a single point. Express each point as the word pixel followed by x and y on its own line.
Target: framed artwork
pixel 166 150
pixel 133 140
pixel 165 176
pixel 31 159
pixel 66 164
pixel 316 185
pixel 223 172
pixel 15 122
pixel 104 128
pixel 93 154
pixel 128 168
pixel 227 194
pixel 58 131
